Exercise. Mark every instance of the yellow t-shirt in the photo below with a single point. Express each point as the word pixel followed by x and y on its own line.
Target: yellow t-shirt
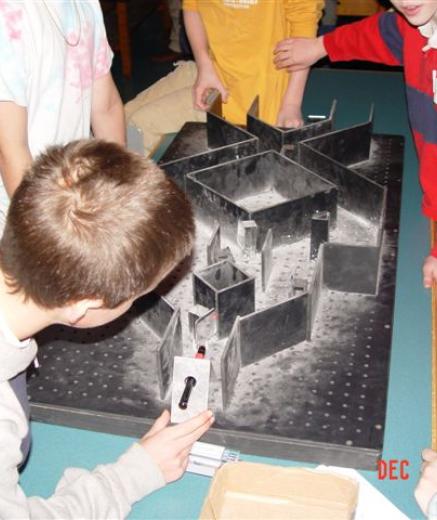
pixel 242 35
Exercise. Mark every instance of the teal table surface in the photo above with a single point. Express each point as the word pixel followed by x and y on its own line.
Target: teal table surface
pixel 408 423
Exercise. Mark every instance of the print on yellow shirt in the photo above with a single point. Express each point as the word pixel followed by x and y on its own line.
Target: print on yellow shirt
pixel 239 4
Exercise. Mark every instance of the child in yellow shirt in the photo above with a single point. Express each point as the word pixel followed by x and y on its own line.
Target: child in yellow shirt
pixel 232 42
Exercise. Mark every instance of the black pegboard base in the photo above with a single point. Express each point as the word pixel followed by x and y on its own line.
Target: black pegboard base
pixel 322 400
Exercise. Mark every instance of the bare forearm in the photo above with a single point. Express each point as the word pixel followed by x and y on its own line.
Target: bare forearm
pixel 296 88
pixel 15 155
pixel 110 124
pixel 198 38
pixel 107 113
pixel 12 167
pixel 207 78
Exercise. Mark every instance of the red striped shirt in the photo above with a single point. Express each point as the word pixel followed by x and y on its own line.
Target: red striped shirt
pixel 388 38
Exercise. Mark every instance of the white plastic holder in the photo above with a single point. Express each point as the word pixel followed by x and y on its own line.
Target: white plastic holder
pixel 183 368
pixel 206 458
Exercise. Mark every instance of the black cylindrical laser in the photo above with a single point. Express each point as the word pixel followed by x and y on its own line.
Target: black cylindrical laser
pixel 190 383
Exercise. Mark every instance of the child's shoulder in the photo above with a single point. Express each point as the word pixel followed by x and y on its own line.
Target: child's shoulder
pixel 397 21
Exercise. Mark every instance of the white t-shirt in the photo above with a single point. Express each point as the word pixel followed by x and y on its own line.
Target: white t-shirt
pixel 51 51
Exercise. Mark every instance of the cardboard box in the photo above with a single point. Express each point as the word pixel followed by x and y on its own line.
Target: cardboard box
pixel 245 490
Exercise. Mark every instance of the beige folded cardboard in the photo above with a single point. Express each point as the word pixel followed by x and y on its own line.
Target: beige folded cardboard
pixel 244 490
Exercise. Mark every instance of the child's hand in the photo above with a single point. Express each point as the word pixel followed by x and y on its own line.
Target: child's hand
pixel 169 446
pixel 207 80
pixel 298 53
pixel 427 485
pixel 290 116
pixel 429 271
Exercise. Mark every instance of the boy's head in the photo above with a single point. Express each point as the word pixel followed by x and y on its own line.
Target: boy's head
pixel 417 12
pixel 93 222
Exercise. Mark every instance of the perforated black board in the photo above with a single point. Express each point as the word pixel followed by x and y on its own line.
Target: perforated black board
pixel 321 400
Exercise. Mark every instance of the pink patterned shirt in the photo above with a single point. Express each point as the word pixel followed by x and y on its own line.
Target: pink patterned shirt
pixel 51 52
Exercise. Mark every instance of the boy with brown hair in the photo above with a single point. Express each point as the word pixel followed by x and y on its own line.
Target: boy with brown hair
pixel 90 228
pixel 408 38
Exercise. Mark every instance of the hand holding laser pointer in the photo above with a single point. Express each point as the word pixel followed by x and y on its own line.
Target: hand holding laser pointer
pixel 169 446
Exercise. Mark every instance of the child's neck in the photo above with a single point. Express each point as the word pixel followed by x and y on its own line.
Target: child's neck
pixel 24 318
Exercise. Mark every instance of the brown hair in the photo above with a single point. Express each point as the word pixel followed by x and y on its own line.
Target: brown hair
pixel 92 220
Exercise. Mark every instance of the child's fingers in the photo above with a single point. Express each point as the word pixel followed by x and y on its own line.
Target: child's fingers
pixel 285 62
pixel 282 45
pixel 160 423
pixel 184 428
pixel 191 437
pixel 182 438
pixel 427 278
pixel 198 100
pixel 429 271
pixel 280 54
pixel 280 58
pixel 224 93
pixel 429 455
pixel 184 454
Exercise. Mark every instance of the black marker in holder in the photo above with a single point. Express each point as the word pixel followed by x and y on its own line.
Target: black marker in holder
pixel 190 373
pixel 190 383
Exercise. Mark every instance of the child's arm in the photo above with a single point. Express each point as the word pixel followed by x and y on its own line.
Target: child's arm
pixel 207 78
pixel 109 490
pixel 302 18
pixel 290 112
pixel 169 446
pixel 14 150
pixel 378 38
pixel 107 113
pixel 15 154
pixel 295 54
